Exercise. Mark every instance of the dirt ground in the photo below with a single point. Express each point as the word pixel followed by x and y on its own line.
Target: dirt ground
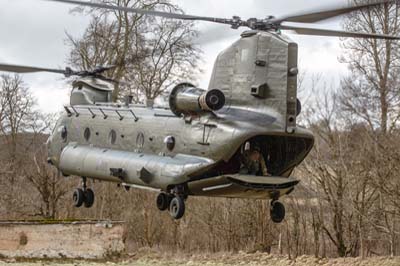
pixel 217 260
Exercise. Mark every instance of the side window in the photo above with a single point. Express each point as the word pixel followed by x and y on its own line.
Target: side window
pixel 112 137
pixel 140 140
pixel 87 134
pixel 170 143
pixel 64 133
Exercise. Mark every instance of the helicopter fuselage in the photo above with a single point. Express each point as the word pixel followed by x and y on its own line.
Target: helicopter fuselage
pixel 190 145
pixel 133 139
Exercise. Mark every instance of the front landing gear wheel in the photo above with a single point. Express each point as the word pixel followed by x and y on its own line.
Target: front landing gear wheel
pixel 163 201
pixel 277 212
pixel 83 196
pixel 177 208
pixel 78 197
pixel 89 198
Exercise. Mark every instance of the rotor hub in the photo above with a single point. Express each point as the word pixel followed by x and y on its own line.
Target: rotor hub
pixel 254 23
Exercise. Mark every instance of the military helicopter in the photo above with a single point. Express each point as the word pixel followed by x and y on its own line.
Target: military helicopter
pixel 197 147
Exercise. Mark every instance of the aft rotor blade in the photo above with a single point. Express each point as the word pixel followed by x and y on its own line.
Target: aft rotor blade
pixel 302 30
pixel 327 13
pixel 27 69
pixel 144 12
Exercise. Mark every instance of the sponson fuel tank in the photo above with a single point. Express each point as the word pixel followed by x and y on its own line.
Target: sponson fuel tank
pixel 155 171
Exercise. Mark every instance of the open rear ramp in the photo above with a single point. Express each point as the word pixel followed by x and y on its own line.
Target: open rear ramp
pixel 243 186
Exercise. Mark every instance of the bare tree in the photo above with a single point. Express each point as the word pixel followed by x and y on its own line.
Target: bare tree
pixel 149 53
pixel 22 128
pixel 17 112
pixel 371 92
pixel 168 55
pixel 48 183
pixel 372 95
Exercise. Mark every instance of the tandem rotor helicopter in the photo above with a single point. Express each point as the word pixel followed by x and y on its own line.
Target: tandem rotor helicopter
pixel 238 139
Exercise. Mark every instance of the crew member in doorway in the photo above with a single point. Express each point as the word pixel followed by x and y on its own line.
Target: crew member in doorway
pixel 253 162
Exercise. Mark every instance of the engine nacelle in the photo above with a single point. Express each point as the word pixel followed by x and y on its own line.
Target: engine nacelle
pixel 88 91
pixel 187 99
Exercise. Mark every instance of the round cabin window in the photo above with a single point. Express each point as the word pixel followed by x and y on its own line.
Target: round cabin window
pixel 112 137
pixel 86 134
pixel 140 140
pixel 170 143
pixel 64 133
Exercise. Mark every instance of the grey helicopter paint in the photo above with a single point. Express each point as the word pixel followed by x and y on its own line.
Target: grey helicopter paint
pixel 195 147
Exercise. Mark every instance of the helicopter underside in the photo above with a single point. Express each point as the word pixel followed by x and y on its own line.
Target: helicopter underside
pixel 243 186
pixel 281 155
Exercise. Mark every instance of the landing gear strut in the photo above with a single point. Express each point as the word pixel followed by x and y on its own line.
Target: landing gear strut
pixel 83 196
pixel 277 211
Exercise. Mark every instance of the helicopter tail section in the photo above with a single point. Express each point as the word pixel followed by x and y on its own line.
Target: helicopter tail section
pixel 258 74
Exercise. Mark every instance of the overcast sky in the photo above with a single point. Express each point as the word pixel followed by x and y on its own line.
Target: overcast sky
pixel 32 32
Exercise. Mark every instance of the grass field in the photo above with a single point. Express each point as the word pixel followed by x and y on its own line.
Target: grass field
pixel 217 260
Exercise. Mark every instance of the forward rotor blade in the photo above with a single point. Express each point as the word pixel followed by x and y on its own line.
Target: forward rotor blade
pixel 327 13
pixel 335 33
pixel 27 69
pixel 144 12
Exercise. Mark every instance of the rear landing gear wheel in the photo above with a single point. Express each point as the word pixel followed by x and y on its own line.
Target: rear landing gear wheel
pixel 163 201
pixel 177 207
pixel 89 198
pixel 277 212
pixel 78 197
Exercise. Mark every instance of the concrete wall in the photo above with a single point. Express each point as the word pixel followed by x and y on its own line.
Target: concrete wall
pixel 89 240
